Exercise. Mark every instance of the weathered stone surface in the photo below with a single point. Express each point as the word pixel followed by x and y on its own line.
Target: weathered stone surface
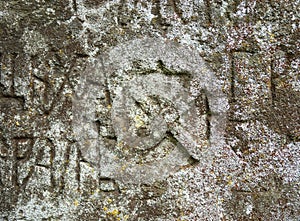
pixel 149 110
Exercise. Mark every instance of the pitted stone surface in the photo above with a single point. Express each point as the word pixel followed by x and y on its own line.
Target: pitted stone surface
pixel 233 67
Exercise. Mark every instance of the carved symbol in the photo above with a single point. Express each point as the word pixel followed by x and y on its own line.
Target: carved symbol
pixel 157 126
pixel 23 168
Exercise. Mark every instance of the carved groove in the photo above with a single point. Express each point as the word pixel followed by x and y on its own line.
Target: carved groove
pixel 208 116
pixel 156 11
pixel 232 79
pixel 78 169
pixel 177 10
pixel 74 5
pixel 52 157
pixel 272 83
pixel 208 9
pixel 65 167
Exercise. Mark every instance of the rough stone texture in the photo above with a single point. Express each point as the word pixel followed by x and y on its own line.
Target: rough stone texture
pixel 149 110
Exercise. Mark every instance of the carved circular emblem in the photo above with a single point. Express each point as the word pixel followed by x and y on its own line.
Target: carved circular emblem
pixel 146 109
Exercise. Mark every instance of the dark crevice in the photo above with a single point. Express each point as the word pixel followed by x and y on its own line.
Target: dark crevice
pixel 272 82
pixel 144 152
pixel 111 137
pixel 239 120
pixel 292 138
pixel 1 182
pixel 171 137
pixel 97 125
pixel 41 165
pixel 103 178
pixel 108 97
pixel 168 72
pixel 14 97
pixel 208 117
pixel 14 177
pixel 156 10
pixel 58 60
pixel 1 66
pixel 251 51
pixel 82 55
pixel 82 159
pixel 247 11
pixel 140 106
pixel 232 80
pixel 13 64
pixel 74 5
pixel 192 161
pixel 21 158
pixel 163 68
pixel 23 137
pixel 208 10
pixel 39 78
pixel 78 168
pixel 144 72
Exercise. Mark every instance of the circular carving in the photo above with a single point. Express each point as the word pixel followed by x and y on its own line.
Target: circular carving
pixel 156 105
